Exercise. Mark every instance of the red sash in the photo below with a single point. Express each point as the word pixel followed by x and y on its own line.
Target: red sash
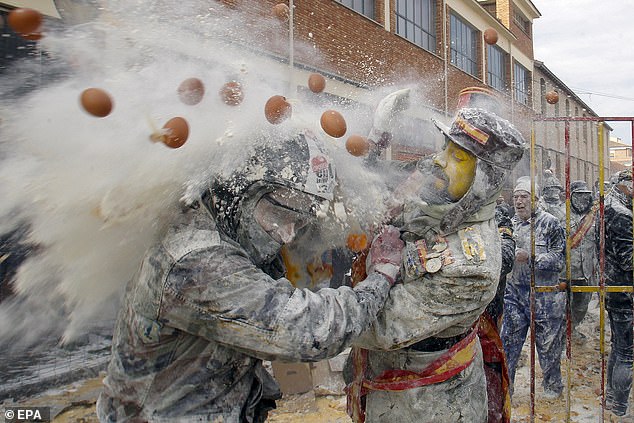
pixel 453 361
pixel 497 376
pixel 585 224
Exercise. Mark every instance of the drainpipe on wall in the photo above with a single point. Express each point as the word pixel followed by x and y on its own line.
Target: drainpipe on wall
pixel 386 15
pixel 291 57
pixel 512 83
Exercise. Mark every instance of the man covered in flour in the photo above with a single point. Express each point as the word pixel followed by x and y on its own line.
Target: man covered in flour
pixel 421 359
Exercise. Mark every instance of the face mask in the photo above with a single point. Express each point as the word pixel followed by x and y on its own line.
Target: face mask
pixel 551 195
pixel 581 201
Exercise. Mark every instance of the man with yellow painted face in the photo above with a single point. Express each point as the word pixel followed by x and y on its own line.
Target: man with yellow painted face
pixel 421 360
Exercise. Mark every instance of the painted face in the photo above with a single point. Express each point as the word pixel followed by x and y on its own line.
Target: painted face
pixel 459 167
pixel 522 204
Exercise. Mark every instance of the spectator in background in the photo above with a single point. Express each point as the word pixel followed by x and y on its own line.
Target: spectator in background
pixel 550 244
pixel 551 197
pixel 618 272
pixel 583 250
pixel 508 209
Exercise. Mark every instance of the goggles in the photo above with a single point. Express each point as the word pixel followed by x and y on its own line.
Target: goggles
pixel 284 212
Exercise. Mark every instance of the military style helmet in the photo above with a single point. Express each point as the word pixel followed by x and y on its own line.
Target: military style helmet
pixel 487 136
pixel 551 181
pixel 579 186
pixel 299 163
pixel 497 145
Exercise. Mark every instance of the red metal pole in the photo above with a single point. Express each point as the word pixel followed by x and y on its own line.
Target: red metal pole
pixel 568 271
pixel 532 291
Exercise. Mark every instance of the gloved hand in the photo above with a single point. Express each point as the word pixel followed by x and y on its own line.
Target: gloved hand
pixel 385 254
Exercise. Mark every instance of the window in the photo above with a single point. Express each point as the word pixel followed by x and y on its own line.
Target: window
pixel 521 21
pixel 568 108
pixel 416 21
pixel 522 84
pixel 365 7
pixel 463 45
pixel 542 91
pixel 496 67
pixel 577 124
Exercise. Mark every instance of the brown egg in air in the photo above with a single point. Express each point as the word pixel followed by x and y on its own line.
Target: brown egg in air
pixel 231 93
pixel 281 11
pixel 96 101
pixel 357 145
pixel 191 91
pixel 490 36
pixel 24 20
pixel 552 97
pixel 277 109
pixel 173 134
pixel 316 82
pixel 333 123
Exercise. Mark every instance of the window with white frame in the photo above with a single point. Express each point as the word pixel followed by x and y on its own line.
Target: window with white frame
pixel 365 7
pixel 521 21
pixel 416 21
pixel 521 84
pixel 496 67
pixel 463 45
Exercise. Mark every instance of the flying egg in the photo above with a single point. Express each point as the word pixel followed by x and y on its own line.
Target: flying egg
pixel 333 123
pixel 191 91
pixel 277 109
pixel 96 101
pixel 173 134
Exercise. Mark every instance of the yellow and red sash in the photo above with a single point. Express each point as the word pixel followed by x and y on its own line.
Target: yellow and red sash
pixel 452 362
pixel 584 226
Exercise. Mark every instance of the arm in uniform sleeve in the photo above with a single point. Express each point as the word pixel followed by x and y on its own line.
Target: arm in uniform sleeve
pixel 219 294
pixel 620 232
pixel 505 228
pixel 554 237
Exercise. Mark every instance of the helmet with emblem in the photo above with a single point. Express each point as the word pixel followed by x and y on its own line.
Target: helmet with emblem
pixel 497 145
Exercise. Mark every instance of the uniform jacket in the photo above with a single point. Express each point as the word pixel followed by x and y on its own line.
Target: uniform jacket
pixel 583 257
pixel 446 303
pixel 550 246
pixel 198 318
pixel 556 209
pixel 618 248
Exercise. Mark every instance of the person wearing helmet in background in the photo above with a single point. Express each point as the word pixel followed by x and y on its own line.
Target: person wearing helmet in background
pixel 421 361
pixel 618 272
pixel 210 300
pixel 550 246
pixel 583 250
pixel 551 197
